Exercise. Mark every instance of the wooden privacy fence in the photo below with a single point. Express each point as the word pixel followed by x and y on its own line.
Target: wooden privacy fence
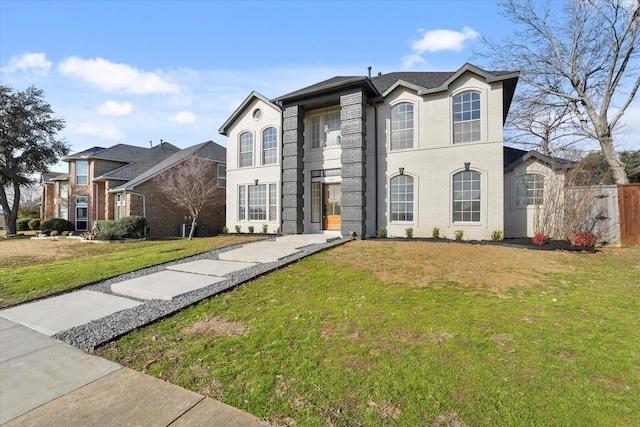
pixel 629 211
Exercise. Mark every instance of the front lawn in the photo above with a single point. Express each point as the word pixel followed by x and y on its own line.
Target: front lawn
pixel 35 268
pixel 414 334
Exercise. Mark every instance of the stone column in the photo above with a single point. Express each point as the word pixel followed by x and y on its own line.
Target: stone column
pixel 353 142
pixel 293 170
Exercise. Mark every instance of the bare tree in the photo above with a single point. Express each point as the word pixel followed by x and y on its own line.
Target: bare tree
pixel 189 185
pixel 581 58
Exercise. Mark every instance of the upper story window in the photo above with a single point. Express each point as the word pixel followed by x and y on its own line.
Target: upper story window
pixel 325 130
pixel 401 196
pixel 530 190
pixel 63 189
pixel 467 196
pixel 246 149
pixel 82 172
pixel 269 146
pixel 222 176
pixel 466 117
pixel 402 127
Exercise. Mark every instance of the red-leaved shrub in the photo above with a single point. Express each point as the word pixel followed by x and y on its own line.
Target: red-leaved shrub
pixel 584 239
pixel 540 239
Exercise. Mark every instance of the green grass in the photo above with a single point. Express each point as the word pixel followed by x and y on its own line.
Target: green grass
pixel 328 342
pixel 90 263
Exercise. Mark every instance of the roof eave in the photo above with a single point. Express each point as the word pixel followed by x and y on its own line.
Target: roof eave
pixel 238 111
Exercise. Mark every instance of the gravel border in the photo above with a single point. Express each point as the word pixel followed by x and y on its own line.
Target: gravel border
pixel 98 332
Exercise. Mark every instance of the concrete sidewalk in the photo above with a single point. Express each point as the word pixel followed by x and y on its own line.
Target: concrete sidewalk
pixel 44 381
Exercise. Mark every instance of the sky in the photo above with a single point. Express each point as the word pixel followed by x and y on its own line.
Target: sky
pixel 137 72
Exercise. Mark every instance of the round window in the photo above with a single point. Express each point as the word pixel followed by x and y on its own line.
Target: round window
pixel 257 113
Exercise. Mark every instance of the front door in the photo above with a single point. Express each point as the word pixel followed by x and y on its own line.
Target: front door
pixel 332 207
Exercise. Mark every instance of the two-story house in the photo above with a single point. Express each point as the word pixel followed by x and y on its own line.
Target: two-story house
pixel 124 180
pixel 350 155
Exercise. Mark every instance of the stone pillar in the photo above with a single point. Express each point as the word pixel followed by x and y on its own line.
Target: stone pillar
pixel 293 170
pixel 353 158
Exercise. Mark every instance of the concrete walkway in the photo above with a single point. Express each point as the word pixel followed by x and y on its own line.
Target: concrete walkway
pixel 47 382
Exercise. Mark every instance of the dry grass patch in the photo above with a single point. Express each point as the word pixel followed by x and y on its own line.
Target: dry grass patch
pixel 215 328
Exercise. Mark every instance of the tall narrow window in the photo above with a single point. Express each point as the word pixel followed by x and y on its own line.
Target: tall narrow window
pixel 257 202
pixel 63 212
pixel 63 189
pixel 222 176
pixel 273 202
pixel 121 199
pixel 402 127
pixel 466 197
pixel 401 196
pixel 269 146
pixel 82 213
pixel 466 117
pixel 82 172
pixel 530 190
pixel 246 149
pixel 242 203
pixel 315 202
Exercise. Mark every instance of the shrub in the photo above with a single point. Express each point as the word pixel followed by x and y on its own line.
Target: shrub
pixel 110 229
pixel 435 233
pixel 57 224
pixel 54 233
pixel 496 236
pixel 238 229
pixel 540 239
pixel 225 230
pixel 382 233
pixel 265 228
pixel 409 232
pixel 459 234
pixel 250 229
pixel 133 226
pixel 584 239
pixel 22 224
pixel 65 233
pixel 278 231
pixel 34 224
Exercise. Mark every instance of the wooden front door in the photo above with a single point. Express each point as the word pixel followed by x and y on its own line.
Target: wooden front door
pixel 332 207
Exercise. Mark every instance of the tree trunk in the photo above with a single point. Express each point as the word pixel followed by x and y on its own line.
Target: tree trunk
pixel 617 167
pixel 193 227
pixel 11 212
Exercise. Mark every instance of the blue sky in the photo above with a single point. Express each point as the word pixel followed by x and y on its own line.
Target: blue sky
pixel 138 71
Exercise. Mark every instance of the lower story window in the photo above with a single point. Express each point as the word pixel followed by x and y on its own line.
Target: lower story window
pixel 401 198
pixel 530 190
pixel 242 203
pixel 316 204
pixel 120 206
pixel 255 203
pixel 273 202
pixel 82 213
pixel 63 212
pixel 466 197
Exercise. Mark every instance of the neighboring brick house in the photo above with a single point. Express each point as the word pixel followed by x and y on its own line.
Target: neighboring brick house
pixel 123 180
pixel 353 154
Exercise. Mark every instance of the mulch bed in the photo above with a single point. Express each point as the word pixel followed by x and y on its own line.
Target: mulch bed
pixel 522 243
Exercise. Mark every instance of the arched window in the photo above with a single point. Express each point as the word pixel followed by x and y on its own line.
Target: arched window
pixel 402 126
pixel 401 196
pixel 467 196
pixel 269 146
pixel 530 190
pixel 246 149
pixel 466 117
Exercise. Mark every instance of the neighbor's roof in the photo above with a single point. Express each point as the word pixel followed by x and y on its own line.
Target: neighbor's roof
pixel 207 150
pixel 143 161
pixel 516 157
pixel 54 176
pixel 119 153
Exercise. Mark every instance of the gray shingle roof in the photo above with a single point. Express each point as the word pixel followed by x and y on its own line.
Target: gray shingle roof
pixel 513 157
pixel 142 162
pixel 427 80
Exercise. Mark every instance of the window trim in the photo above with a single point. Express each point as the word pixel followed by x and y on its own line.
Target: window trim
pixel 411 130
pixel 249 153
pixel 412 202
pixel 537 178
pixel 273 149
pixel 464 200
pixel 470 121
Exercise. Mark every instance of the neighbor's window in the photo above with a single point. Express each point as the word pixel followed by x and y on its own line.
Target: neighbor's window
pixel 63 212
pixel 82 212
pixel 121 199
pixel 466 117
pixel 82 172
pixel 529 190
pixel 401 196
pixel 325 130
pixel 222 176
pixel 63 189
pixel 402 127
pixel 246 149
pixel 269 146
pixel 257 202
pixel 466 197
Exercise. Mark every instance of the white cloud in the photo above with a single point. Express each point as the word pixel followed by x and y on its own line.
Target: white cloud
pixel 112 77
pixel 102 131
pixel 37 62
pixel 183 117
pixel 437 40
pixel 113 108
